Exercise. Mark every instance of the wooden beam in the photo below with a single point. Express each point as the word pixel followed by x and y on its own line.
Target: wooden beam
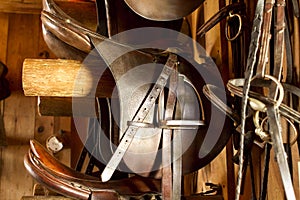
pixel 66 78
pixel 20 7
pixel 35 6
pixel 62 106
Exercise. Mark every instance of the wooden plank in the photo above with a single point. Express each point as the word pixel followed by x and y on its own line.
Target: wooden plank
pixel 19 111
pixel 19 118
pixel 44 128
pixel 65 78
pixel 3 36
pixel 62 106
pixel 15 180
pixel 22 43
pixel 296 50
pixel 3 53
pixel 20 8
pixel 3 141
pixel 215 172
pixel 55 106
pixel 35 7
pixel 212 38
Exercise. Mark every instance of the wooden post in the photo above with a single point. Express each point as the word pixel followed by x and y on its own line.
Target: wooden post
pixel 65 78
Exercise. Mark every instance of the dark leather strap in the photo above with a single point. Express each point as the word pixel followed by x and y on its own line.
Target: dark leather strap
pixel 220 15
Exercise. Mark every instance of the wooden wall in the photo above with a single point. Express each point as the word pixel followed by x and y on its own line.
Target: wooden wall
pixel 20 38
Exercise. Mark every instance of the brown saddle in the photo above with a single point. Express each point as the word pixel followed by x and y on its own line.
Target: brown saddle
pixel 49 171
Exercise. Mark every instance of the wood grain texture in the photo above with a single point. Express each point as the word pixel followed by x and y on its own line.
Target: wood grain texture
pixel 15 181
pixel 63 106
pixel 215 172
pixel 3 36
pixel 35 6
pixel 23 43
pixel 65 78
pixel 44 128
pixel 19 118
pixel 19 111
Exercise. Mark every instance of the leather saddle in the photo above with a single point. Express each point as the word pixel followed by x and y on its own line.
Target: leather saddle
pixel 163 10
pixel 69 39
pixel 62 179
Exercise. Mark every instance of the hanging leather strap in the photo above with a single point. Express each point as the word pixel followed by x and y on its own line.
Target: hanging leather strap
pixel 139 117
pixel 167 137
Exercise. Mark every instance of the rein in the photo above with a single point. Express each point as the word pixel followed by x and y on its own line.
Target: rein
pixel 266 108
pixel 276 90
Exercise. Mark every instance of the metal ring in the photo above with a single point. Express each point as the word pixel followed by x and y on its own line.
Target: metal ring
pixel 294 140
pixel 280 87
pixel 239 30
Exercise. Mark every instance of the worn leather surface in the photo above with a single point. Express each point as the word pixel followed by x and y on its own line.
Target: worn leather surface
pixel 163 10
pixel 49 171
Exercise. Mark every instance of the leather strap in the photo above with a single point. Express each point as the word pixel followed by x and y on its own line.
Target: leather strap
pixel 235 87
pixel 265 37
pixel 177 141
pixel 272 111
pixel 220 15
pixel 166 139
pixel 139 117
pixel 273 115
